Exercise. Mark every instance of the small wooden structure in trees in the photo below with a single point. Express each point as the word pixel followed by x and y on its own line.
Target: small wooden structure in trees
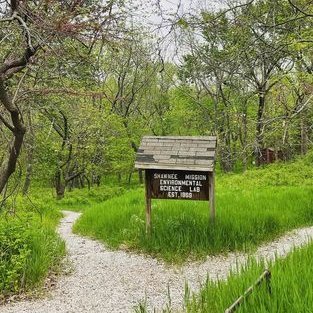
pixel 270 155
pixel 178 167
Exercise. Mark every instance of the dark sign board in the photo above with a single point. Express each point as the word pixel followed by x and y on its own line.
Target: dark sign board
pixel 176 184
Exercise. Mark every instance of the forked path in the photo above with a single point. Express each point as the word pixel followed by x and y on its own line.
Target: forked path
pixel 115 281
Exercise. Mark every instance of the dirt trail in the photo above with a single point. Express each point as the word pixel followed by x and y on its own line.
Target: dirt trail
pixel 116 281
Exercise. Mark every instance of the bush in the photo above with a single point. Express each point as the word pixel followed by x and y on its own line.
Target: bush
pixel 29 248
pixel 15 250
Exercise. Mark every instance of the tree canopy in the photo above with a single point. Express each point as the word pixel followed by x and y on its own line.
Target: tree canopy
pixel 82 82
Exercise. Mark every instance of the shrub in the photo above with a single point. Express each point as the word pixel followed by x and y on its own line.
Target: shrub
pixel 29 248
pixel 15 250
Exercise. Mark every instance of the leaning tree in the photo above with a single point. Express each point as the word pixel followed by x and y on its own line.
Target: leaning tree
pixel 33 31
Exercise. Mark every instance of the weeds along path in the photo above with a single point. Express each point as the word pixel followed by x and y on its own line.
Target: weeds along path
pixel 115 281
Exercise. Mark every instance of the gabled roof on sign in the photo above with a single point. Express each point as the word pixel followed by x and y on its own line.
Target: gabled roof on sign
pixel 194 153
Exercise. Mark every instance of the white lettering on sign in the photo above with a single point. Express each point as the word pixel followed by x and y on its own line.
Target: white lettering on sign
pixel 170 188
pixel 181 182
pixel 165 176
pixel 186 195
pixel 172 194
pixel 180 185
pixel 195 177
pixel 176 185
pixel 194 189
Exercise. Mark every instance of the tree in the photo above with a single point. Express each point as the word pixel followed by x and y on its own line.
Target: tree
pixel 238 58
pixel 127 75
pixel 32 32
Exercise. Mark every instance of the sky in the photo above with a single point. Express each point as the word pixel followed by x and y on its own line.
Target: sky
pixel 158 16
pixel 157 8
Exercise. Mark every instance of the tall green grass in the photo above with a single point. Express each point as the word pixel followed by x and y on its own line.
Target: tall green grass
pixel 181 229
pixel 291 284
pixel 296 173
pixel 75 200
pixel 29 249
pixel 252 208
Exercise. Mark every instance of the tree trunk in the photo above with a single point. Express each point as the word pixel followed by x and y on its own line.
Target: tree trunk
pixel 244 138
pixel 226 153
pixel 304 134
pixel 29 171
pixel 30 154
pixel 61 179
pixel 259 129
pixel 225 130
pixel 9 164
pixel 18 131
pixel 59 185
pixel 140 175
pixel 285 140
pixel 226 162
pixel 88 182
pixel 96 179
pixel 129 178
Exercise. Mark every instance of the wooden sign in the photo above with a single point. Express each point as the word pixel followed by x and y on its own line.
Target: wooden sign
pixel 177 167
pixel 185 185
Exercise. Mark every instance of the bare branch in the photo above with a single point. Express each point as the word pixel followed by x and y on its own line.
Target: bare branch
pixel 26 29
pixel 6 123
pixel 8 19
pixel 9 68
pixel 281 117
pixel 302 107
pixel 19 86
pixel 16 16
pixel 299 9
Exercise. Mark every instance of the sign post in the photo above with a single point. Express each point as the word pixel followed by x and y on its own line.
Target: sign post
pixel 148 204
pixel 212 195
pixel 180 168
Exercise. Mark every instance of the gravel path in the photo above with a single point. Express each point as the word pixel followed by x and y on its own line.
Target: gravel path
pixel 116 281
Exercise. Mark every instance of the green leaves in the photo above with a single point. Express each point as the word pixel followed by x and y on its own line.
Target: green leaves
pixel 15 251
pixel 183 23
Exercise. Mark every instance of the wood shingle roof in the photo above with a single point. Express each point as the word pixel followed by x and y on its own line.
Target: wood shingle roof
pixel 194 153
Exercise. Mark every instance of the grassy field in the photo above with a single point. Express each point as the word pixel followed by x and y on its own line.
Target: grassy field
pixel 251 208
pixel 291 285
pixel 75 200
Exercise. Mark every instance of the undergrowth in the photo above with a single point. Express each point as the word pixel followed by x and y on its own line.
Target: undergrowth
pixel 75 200
pixel 29 248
